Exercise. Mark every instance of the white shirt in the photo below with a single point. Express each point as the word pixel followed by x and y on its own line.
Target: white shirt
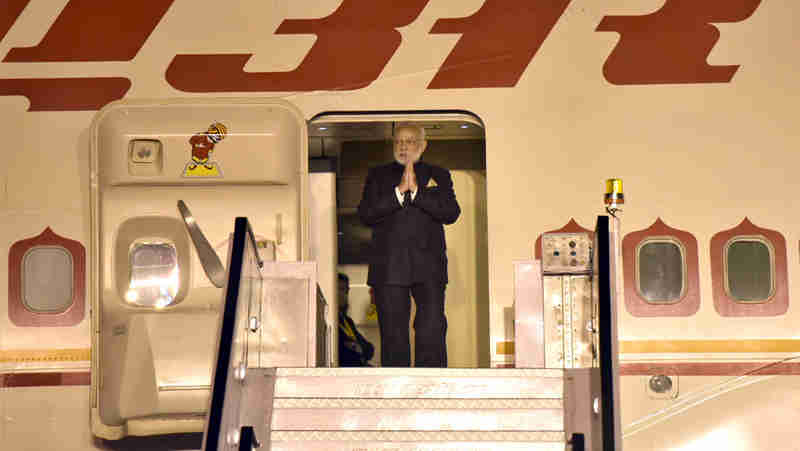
pixel 400 195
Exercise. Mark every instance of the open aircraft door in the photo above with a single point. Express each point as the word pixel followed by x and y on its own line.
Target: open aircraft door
pixel 161 171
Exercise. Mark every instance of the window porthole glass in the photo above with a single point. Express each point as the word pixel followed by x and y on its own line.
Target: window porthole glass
pixel 749 270
pixel 661 271
pixel 154 274
pixel 47 277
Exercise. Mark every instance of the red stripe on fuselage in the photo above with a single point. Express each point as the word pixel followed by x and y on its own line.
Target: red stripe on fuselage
pixel 626 369
pixel 45 379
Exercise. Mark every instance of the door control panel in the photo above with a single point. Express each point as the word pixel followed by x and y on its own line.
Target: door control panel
pixel 566 253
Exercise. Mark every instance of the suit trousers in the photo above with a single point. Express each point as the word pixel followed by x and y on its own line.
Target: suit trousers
pixel 430 325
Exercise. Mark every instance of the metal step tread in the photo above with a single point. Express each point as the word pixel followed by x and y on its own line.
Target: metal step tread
pixel 416 441
pixel 484 420
pixel 418 403
pixel 431 383
pixel 417 400
pixel 412 372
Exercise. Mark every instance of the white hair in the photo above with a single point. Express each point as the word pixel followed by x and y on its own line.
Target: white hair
pixel 410 126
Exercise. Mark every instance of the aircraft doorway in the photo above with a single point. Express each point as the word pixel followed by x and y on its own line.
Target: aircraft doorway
pixel 349 144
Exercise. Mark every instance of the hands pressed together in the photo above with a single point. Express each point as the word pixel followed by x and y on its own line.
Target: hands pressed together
pixel 409 180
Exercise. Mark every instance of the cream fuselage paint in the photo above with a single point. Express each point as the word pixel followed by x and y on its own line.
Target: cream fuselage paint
pixel 701 156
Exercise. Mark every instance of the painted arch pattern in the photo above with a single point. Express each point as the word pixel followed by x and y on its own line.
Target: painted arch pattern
pixel 775 303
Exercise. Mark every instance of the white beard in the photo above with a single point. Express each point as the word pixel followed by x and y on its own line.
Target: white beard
pixel 408 157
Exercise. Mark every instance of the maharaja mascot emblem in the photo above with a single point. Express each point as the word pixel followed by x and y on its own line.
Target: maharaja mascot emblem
pixel 202 148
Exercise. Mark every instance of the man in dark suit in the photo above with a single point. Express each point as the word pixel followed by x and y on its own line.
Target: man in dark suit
pixel 406 203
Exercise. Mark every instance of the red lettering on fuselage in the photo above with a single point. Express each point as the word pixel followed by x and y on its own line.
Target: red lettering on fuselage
pixel 10 14
pixel 66 94
pixel 356 41
pixel 86 30
pixel 95 30
pixel 497 43
pixel 353 46
pixel 671 45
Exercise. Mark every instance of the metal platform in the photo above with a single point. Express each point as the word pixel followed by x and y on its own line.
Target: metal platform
pixel 306 408
pixel 407 408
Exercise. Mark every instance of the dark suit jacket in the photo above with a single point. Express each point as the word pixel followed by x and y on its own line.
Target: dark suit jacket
pixel 353 351
pixel 408 244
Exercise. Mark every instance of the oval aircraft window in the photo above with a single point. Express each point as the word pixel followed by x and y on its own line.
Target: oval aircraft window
pixel 154 274
pixel 749 270
pixel 46 287
pixel 53 264
pixel 661 271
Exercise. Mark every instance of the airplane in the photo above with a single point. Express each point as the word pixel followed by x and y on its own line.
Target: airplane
pixel 275 110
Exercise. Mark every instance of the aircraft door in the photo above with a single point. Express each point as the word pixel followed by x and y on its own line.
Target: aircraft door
pixel 155 289
pixel 323 243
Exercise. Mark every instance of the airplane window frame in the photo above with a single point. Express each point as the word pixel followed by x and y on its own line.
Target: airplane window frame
pixel 724 304
pixel 139 229
pixel 27 261
pixel 681 249
pixel 637 305
pixel 725 265
pixel 172 291
pixel 72 314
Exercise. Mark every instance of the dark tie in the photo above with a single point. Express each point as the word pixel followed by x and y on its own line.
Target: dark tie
pixel 406 198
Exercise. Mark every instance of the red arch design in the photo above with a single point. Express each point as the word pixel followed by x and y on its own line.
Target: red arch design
pixel 776 305
pixel 689 303
pixel 22 316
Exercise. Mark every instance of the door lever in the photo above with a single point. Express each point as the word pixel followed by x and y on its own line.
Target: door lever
pixel 208 257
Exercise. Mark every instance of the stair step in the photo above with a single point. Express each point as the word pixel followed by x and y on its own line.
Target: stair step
pixel 416 441
pixel 417 409
pixel 433 383
pixel 420 417
pixel 405 409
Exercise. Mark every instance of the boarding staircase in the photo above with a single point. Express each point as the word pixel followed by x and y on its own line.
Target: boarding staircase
pixel 320 408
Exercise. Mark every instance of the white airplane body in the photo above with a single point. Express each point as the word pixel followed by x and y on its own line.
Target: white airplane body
pixel 114 112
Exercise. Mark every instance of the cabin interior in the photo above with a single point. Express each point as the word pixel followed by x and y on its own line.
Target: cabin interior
pixel 455 142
